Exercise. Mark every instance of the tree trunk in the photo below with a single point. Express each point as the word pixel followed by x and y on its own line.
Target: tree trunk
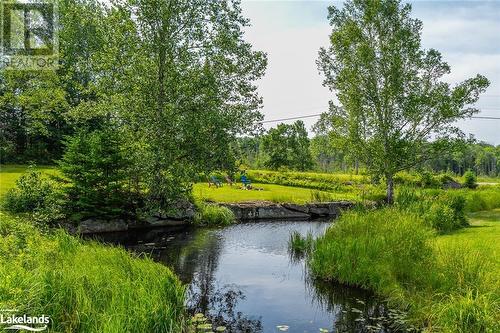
pixel 390 189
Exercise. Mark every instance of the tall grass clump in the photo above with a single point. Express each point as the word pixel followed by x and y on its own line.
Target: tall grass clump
pixel 213 215
pixel 373 249
pixel 318 196
pixel 300 244
pixel 85 287
pixel 442 210
pixel 463 294
pixel 486 198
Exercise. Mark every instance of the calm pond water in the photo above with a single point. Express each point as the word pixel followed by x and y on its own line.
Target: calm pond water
pixel 244 277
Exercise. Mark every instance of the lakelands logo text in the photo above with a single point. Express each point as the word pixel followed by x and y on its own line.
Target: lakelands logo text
pixel 24 322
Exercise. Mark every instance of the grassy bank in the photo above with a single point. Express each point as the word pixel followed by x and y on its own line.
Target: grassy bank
pixel 85 286
pixel 82 286
pixel 448 283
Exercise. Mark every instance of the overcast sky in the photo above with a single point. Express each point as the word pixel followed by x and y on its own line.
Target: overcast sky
pixel 467 33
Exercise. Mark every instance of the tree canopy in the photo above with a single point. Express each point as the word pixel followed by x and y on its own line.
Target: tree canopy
pixel 288 146
pixel 391 93
pixel 173 79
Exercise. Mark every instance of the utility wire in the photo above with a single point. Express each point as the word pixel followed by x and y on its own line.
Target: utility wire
pixel 319 114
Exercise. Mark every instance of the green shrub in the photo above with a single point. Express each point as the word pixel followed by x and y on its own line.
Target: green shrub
pixel 427 180
pixel 85 287
pixel 442 210
pixel 470 179
pixel 36 195
pixel 213 215
pixel 446 212
pixel 31 193
pixel 405 178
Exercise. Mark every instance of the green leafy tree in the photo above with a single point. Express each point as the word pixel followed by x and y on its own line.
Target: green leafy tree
pixel 392 99
pixel 184 88
pixel 39 108
pixel 288 146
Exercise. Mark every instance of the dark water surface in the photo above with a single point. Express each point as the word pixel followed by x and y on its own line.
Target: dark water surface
pixel 244 277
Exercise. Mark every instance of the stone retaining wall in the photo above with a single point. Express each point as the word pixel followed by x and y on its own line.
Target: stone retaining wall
pixel 264 210
pixel 244 211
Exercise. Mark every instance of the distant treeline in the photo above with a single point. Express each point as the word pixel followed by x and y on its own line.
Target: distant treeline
pixel 318 153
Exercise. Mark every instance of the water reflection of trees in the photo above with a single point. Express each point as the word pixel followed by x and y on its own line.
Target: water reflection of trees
pixel 354 309
pixel 221 310
pixel 196 261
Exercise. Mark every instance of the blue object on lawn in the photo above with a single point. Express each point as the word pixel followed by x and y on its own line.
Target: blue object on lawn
pixel 245 180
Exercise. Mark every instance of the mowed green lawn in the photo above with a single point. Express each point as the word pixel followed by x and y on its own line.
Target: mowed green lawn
pixel 264 192
pixel 269 192
pixel 483 235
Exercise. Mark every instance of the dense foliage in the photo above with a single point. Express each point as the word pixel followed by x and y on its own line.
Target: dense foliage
pixel 287 146
pixel 174 79
pixel 95 165
pixel 391 93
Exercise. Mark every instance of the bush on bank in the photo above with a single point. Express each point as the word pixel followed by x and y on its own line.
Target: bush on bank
pixel 85 287
pixel 213 215
pixel 442 210
pixel 37 196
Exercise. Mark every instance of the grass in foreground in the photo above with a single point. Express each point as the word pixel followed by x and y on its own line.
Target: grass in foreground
pixel 85 286
pixel 447 283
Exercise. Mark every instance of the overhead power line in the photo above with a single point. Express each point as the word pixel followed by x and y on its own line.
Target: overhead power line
pixel 319 114
pixel 485 117
pixel 291 118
